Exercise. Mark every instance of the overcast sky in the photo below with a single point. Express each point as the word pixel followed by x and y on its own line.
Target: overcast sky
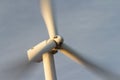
pixel 91 27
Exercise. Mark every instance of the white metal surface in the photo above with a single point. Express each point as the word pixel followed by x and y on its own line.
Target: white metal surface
pixel 59 40
pixel 35 54
pixel 49 66
pixel 47 13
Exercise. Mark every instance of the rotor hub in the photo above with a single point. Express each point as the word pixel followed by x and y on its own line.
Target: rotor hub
pixel 59 40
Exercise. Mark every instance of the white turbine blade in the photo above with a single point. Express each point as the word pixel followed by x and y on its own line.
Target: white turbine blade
pixel 35 54
pixel 47 13
pixel 66 50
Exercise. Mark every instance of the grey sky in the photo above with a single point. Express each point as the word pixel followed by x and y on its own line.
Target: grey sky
pixel 91 27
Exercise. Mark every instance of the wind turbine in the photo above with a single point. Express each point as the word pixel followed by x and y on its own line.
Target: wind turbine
pixel 45 50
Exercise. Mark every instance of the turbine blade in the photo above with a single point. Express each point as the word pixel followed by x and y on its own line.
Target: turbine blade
pixel 66 50
pixel 48 16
